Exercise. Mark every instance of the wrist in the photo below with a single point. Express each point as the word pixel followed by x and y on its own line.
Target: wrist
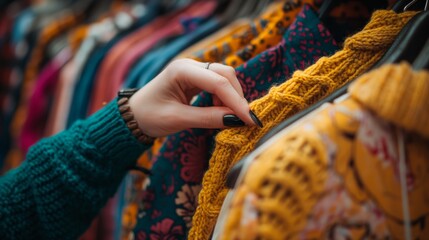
pixel 126 110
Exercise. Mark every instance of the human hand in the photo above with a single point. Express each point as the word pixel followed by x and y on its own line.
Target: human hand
pixel 162 106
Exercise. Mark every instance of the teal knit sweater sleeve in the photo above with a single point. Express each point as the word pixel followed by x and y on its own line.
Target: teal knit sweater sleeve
pixel 66 179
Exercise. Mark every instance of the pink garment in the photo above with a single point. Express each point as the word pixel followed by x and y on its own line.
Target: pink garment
pixel 98 33
pixel 40 101
pixel 109 82
pixel 63 97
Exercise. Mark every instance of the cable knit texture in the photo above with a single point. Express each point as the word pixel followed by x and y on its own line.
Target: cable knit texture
pixel 360 52
pixel 333 166
pixel 66 179
pixel 392 101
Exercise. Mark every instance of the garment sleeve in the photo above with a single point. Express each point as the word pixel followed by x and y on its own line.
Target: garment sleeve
pixel 67 178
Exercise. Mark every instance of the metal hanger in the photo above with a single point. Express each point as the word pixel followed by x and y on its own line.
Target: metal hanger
pixel 413 2
pixel 407 5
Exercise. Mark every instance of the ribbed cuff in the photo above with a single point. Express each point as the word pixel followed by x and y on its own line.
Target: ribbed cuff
pixel 109 133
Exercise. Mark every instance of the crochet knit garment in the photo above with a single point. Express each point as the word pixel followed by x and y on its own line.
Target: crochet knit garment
pixel 336 172
pixel 360 52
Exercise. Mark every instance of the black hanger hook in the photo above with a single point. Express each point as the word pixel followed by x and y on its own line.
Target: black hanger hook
pixel 414 1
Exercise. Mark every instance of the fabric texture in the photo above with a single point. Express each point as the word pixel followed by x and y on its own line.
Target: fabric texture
pixel 338 169
pixel 107 83
pixel 171 193
pixel 360 52
pixel 230 44
pixel 101 34
pixel 144 71
pixel 271 34
pixel 84 164
pixel 221 35
pixel 394 101
pixel 345 17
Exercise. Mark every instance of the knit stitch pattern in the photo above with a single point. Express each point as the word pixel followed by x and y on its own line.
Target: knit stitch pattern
pixel 360 52
pixel 329 168
pixel 292 173
pixel 392 101
pixel 66 179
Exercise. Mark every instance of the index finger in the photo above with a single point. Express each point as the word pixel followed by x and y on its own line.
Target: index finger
pixel 223 70
pixel 194 76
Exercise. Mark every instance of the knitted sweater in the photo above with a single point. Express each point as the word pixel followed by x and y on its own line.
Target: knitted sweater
pixel 306 87
pixel 170 194
pixel 338 170
pixel 66 179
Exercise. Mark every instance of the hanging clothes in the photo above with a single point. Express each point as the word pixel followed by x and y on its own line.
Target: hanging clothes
pixel 63 61
pixel 23 41
pixel 53 30
pixel 7 15
pixel 41 101
pixel 271 35
pixel 360 52
pixel 340 170
pixel 219 50
pixel 79 73
pixel 183 159
pixel 152 64
pixel 98 70
pixel 104 91
pixel 220 36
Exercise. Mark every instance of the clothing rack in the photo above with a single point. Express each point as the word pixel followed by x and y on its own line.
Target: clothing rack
pixel 63 61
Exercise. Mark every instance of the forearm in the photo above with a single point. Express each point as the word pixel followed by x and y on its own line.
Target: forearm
pixel 66 179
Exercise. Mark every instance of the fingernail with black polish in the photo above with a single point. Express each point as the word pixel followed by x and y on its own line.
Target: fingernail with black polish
pixel 255 119
pixel 231 120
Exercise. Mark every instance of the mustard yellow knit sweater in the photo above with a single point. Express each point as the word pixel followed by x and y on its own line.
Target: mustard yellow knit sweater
pixel 403 96
pixel 299 186
pixel 360 52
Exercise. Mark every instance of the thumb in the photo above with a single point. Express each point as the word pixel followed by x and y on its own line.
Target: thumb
pixel 205 117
